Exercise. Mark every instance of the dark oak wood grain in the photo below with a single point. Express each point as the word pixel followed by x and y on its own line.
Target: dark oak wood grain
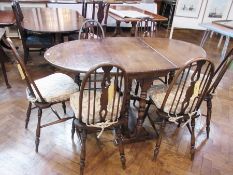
pixel 52 20
pixel 135 55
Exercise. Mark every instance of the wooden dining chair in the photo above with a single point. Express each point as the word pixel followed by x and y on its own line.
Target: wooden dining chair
pixel 99 109
pixel 146 27
pixel 44 93
pixel 94 10
pixel 180 102
pixel 98 10
pixel 91 29
pixel 218 75
pixel 30 39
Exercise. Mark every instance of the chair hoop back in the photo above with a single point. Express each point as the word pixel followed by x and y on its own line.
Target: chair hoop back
pixel 221 70
pixel 29 81
pixel 91 29
pixel 146 27
pixel 189 87
pixel 103 99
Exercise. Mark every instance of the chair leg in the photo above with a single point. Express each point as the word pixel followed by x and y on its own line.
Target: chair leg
pixel 192 138
pixel 208 117
pixel 121 147
pixel 136 91
pixel 78 80
pixel 38 129
pixel 64 107
pixel 83 151
pixel 28 115
pixel 26 55
pixel 5 75
pixel 159 140
pixel 73 129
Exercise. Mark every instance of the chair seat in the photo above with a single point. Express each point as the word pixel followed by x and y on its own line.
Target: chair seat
pixel 74 103
pixel 44 40
pixel 157 94
pixel 54 88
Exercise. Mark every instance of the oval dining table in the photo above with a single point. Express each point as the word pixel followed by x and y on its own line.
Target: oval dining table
pixel 51 20
pixel 144 59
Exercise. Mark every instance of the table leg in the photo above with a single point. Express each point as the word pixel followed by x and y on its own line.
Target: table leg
pixel 133 28
pixel 204 38
pixel 117 29
pixel 139 133
pixel 224 50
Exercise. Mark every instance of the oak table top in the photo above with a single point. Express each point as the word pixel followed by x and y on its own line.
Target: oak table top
pixel 136 55
pixel 7 18
pixel 52 20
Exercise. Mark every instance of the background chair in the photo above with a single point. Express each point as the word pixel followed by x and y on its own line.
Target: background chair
pixel 45 92
pixel 98 109
pixel 180 102
pixel 30 39
pixel 218 75
pixel 96 10
pixel 90 29
pixel 146 27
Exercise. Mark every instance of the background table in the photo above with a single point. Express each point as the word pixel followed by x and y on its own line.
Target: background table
pixel 52 20
pixel 225 31
pixel 143 59
pixel 7 18
pixel 133 21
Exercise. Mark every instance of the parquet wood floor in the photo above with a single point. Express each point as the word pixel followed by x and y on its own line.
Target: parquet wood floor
pixel 59 155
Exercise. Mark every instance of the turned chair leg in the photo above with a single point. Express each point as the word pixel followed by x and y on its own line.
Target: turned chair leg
pixel 159 140
pixel 121 147
pixel 136 91
pixel 208 117
pixel 28 115
pixel 78 80
pixel 26 55
pixel 37 141
pixel 192 138
pixel 64 107
pixel 72 129
pixel 83 151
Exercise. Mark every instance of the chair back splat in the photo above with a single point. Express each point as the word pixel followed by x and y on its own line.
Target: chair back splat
pixel 105 103
pixel 189 87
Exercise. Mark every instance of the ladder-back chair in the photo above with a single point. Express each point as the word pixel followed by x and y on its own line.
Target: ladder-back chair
pixel 97 109
pixel 44 92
